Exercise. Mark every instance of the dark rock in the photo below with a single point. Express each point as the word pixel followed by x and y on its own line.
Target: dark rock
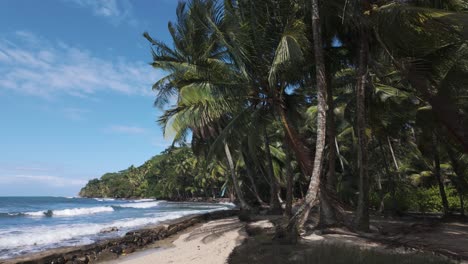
pixel 59 260
pixel 117 250
pixel 129 250
pixel 49 213
pixel 244 216
pixel 109 230
pixel 106 255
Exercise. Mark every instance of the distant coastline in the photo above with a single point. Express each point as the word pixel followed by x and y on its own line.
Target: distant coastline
pixel 173 175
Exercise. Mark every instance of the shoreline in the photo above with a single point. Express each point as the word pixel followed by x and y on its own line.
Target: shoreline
pixel 188 200
pixel 132 241
pixel 208 243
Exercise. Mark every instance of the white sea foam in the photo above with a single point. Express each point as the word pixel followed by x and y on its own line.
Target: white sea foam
pixel 41 237
pixel 13 214
pixel 140 205
pixel 82 211
pixel 144 200
pixel 104 199
pixel 227 204
pixel 73 211
pixel 39 213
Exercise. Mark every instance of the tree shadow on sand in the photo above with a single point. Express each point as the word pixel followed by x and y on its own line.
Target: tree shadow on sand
pixel 210 231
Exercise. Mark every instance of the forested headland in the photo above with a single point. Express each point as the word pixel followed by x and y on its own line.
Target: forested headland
pixel 342 105
pixel 174 174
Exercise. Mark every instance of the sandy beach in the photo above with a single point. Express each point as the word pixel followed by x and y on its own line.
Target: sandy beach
pixel 211 242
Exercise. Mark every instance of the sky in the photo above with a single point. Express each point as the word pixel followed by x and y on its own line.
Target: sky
pixel 75 91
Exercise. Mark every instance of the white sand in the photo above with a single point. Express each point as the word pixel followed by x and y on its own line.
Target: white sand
pixel 209 243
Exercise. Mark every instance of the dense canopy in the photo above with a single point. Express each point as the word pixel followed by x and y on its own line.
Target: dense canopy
pixel 339 104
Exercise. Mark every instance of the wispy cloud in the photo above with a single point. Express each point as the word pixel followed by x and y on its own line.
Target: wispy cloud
pixel 35 66
pixel 76 114
pixel 127 129
pixel 42 179
pixel 116 11
pixel 161 142
pixel 29 169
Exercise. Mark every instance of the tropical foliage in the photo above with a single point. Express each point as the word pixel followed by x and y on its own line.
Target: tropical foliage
pixel 337 103
pixel 174 174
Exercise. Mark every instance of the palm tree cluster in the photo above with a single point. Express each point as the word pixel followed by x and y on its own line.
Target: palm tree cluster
pixel 338 104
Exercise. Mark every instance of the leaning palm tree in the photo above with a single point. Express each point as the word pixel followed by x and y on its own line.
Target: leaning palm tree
pixel 266 43
pixel 299 219
pixel 198 74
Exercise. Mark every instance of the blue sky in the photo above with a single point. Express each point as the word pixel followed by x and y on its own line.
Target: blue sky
pixel 75 91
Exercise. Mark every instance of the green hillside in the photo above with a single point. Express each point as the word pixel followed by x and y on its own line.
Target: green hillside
pixel 173 174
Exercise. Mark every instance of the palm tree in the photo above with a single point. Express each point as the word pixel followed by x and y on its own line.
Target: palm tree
pixel 434 62
pixel 196 67
pixel 299 219
pixel 246 66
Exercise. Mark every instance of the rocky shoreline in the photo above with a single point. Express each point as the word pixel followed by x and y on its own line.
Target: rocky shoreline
pixel 113 248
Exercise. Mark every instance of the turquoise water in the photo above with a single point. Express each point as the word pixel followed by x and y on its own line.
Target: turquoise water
pixel 33 224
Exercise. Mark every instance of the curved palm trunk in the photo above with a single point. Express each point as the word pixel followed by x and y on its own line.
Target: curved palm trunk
pixel 328 207
pixel 298 220
pixel 456 169
pixel 443 195
pixel 362 212
pixel 235 183
pixel 275 205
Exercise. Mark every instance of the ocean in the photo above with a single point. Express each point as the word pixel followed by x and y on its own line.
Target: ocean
pixel 34 224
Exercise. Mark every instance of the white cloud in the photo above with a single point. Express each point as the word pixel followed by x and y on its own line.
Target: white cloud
pixel 35 66
pixel 116 11
pixel 29 169
pixel 127 129
pixel 42 179
pixel 76 114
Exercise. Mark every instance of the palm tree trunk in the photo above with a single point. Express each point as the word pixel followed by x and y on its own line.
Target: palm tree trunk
pixel 331 134
pixel 391 180
pixel 380 190
pixel 289 187
pixel 462 204
pixel 362 212
pixel 250 174
pixel 328 212
pixel 298 220
pixel 339 155
pixel 235 183
pixel 397 168
pixel 443 195
pixel 456 182
pixel 275 205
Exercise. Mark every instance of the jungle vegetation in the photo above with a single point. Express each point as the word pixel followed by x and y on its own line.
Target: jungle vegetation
pixel 337 104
